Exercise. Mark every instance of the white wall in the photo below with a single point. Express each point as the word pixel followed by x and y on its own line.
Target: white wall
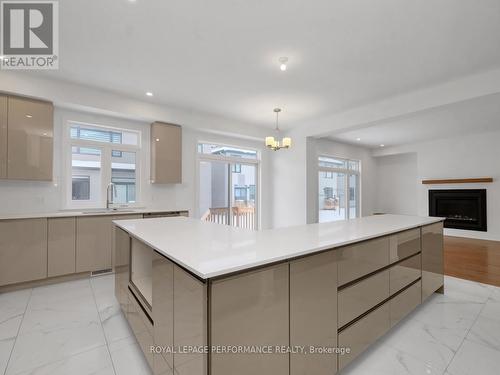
pixel 24 197
pixel 397 184
pixel 475 155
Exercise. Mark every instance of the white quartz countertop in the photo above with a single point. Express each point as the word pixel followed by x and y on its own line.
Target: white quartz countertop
pixel 210 250
pixel 90 212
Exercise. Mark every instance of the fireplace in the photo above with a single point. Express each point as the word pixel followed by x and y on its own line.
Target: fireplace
pixel 463 209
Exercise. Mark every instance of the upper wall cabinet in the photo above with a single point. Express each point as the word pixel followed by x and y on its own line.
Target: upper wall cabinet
pixel 166 153
pixel 30 130
pixel 3 136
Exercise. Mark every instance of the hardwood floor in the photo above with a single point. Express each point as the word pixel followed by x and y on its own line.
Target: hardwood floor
pixel 471 259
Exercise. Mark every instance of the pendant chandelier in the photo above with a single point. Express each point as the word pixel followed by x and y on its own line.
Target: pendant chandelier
pixel 275 144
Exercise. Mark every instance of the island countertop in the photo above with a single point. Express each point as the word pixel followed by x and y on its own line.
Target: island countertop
pixel 211 250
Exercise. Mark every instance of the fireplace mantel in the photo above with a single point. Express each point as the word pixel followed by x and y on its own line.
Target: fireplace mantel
pixel 458 181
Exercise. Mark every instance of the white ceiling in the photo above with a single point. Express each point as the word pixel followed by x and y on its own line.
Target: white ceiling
pixel 221 56
pixel 461 118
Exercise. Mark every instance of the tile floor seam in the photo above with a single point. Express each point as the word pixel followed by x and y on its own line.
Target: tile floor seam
pixel 18 330
pixel 102 327
pixel 467 334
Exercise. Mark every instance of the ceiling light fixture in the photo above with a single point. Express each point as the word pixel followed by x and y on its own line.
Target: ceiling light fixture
pixel 274 144
pixel 149 93
pixel 283 60
pixel 382 145
pixel 358 139
pixel 29 116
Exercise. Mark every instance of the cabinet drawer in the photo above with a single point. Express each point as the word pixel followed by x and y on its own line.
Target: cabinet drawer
pixel 361 259
pixel 362 296
pixel 405 244
pixel 363 333
pixel 137 318
pixel 405 302
pixel 404 273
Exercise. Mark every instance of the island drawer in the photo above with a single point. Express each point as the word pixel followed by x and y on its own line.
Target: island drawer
pixel 139 321
pixel 405 302
pixel 142 328
pixel 404 244
pixel 358 260
pixel 363 333
pixel 358 298
pixel 405 272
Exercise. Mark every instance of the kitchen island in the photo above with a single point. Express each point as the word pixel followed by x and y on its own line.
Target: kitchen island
pixel 205 298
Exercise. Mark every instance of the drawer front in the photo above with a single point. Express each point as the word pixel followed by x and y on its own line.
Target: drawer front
pixel 361 259
pixel 137 319
pixel 405 302
pixel 363 333
pixel 405 244
pixel 362 296
pixel 404 273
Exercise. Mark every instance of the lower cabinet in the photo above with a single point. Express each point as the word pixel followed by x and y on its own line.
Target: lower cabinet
pixel 61 250
pixel 313 313
pixel 23 250
pixel 122 267
pixel 363 333
pixel 405 302
pixel 251 309
pixel 94 241
pixel 432 259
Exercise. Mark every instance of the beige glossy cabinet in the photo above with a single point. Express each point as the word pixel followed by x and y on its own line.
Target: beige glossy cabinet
pixel 166 153
pixel 3 136
pixel 432 259
pixel 23 250
pixel 61 246
pixel 30 139
pixel 358 260
pixel 94 241
pixel 251 309
pixel 122 266
pixel 313 313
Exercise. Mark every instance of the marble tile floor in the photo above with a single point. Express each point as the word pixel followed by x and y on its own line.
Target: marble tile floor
pixel 77 328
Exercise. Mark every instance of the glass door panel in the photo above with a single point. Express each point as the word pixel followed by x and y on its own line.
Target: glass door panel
pixel 353 196
pixel 123 167
pixel 243 195
pixel 332 196
pixel 214 192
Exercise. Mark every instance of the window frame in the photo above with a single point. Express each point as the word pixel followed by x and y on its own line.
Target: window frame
pixel 347 172
pixel 230 160
pixel 106 162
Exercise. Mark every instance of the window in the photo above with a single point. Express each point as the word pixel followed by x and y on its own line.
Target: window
pixel 98 156
pixel 227 180
pixel 338 189
pixel 80 188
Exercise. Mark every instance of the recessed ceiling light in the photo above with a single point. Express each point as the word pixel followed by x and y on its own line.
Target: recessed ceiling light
pixel 29 116
pixel 358 139
pixel 382 145
pixel 283 61
pixel 149 93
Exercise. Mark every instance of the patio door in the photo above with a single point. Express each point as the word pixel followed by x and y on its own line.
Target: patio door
pixel 228 193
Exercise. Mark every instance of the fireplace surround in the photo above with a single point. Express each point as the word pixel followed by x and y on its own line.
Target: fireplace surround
pixel 463 208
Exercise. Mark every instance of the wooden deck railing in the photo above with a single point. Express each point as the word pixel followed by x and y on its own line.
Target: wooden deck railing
pixel 242 217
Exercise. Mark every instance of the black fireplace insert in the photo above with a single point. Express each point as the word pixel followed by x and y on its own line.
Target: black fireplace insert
pixel 463 208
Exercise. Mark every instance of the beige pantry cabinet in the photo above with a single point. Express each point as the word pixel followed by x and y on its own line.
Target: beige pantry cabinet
pixel 23 250
pixel 166 153
pixel 3 136
pixel 30 126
